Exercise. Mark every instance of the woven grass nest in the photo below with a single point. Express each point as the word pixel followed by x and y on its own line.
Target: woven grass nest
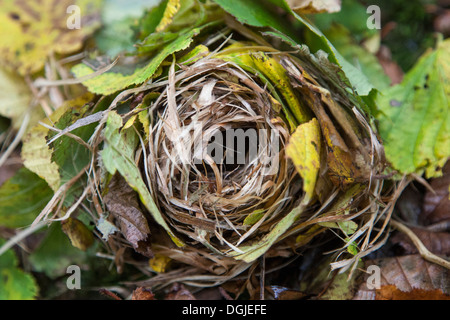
pixel 221 165
pixel 238 148
pixel 208 196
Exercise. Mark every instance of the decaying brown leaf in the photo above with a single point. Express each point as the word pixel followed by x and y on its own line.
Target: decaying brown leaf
pixel 122 201
pixel 391 292
pixel 406 273
pixel 390 67
pixel 142 294
pixel 179 292
pixel 436 242
pixel 436 206
pixel 347 154
pixel 80 236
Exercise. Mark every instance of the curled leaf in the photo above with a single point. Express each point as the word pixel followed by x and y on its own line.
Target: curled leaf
pixel 304 150
pixel 122 203
pixel 80 236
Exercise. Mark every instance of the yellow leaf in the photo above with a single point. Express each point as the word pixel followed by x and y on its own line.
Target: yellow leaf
pixel 80 236
pixel 130 122
pixel 31 30
pixel 269 69
pixel 304 151
pixel 347 156
pixel 275 72
pixel 37 155
pixel 173 6
pixel 159 263
pixel 15 99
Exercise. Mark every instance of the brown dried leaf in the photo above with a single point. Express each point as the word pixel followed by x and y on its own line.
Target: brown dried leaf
pixel 348 154
pixel 407 273
pixel 142 294
pixel 391 292
pixel 442 22
pixel 179 292
pixel 436 242
pixel 436 207
pixel 122 201
pixel 390 67
pixel 345 161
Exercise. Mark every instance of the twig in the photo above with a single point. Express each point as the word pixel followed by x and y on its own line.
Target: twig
pixel 423 251
pixel 110 294
pixel 262 277
pixel 20 236
pixel 53 83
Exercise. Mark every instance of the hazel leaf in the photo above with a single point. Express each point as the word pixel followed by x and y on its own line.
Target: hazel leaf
pixel 415 115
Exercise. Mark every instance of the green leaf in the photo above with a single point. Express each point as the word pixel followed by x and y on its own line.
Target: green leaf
pixel 68 154
pixel 113 81
pixel 352 16
pixel 15 284
pixel 176 15
pixel 358 56
pixel 348 227
pixel 257 13
pixel 414 121
pixel 56 253
pixel 120 18
pixel 252 252
pixel 38 156
pixel 156 41
pixel 118 155
pixel 342 287
pixel 22 198
pixel 253 217
pixel 150 21
pixel 171 9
